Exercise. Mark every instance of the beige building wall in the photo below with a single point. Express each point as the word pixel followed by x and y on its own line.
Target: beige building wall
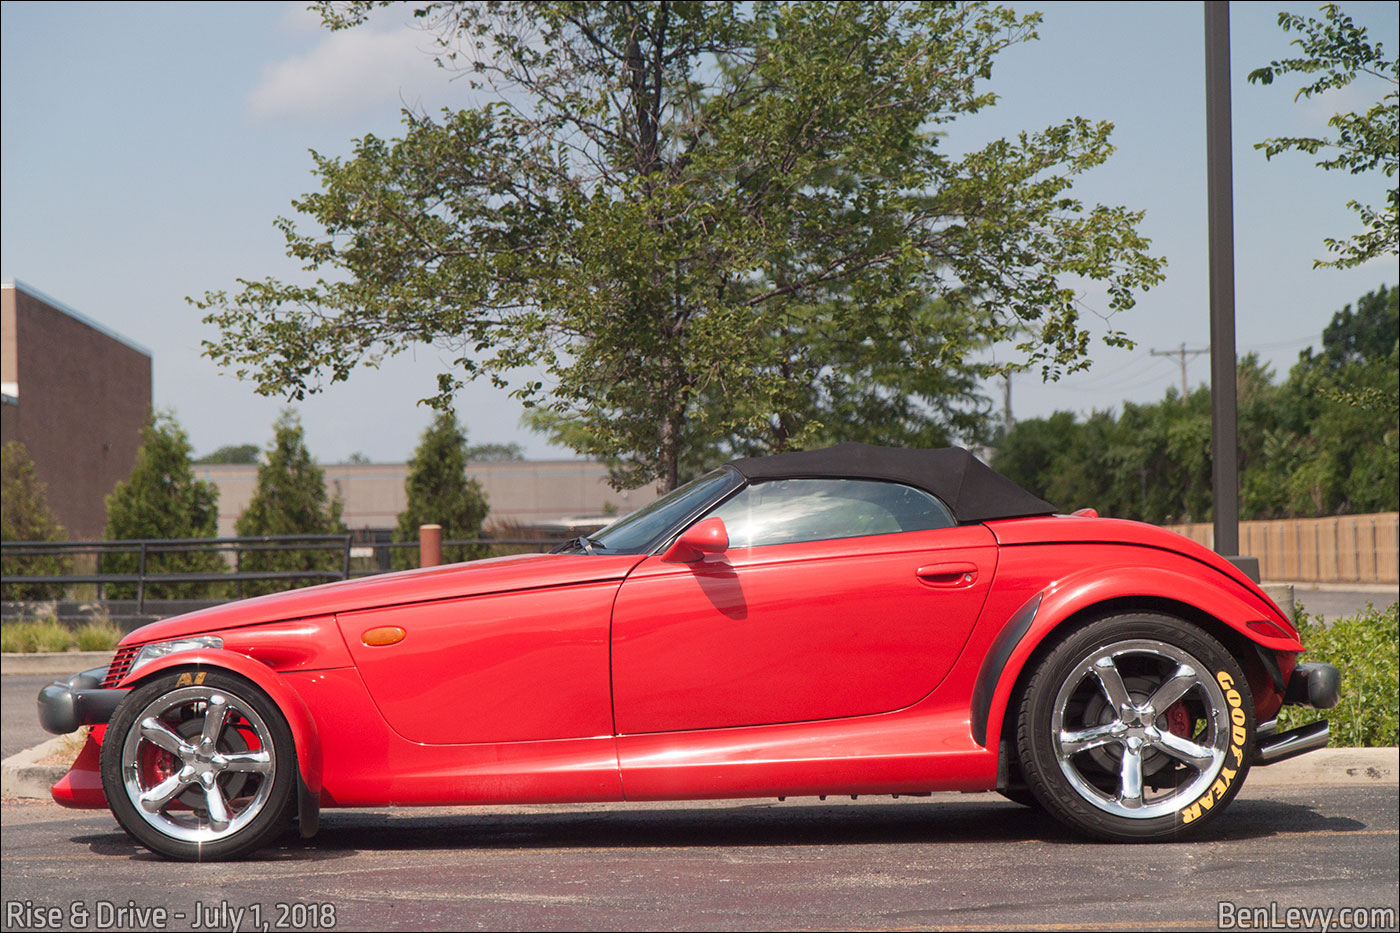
pixel 529 492
pixel 77 395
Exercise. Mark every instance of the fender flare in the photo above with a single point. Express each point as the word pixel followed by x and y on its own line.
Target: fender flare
pixel 305 735
pixel 1072 595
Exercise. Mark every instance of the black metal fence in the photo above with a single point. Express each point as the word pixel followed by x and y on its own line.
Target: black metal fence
pixel 350 556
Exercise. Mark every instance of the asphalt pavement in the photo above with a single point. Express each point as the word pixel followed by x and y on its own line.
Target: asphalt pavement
pixel 953 861
pixel 19 712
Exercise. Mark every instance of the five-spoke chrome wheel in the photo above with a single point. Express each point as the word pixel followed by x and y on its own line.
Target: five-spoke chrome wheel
pixel 199 770
pixel 1139 727
pixel 1135 726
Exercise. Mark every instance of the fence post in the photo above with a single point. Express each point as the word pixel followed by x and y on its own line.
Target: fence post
pixel 141 582
pixel 345 567
pixel 99 574
pixel 429 545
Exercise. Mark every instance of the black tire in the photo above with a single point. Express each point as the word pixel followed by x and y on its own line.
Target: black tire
pixel 247 769
pixel 1142 773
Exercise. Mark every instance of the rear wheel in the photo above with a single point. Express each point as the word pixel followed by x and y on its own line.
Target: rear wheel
pixel 1136 727
pixel 200 766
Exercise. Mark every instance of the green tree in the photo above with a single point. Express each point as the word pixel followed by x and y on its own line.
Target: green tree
pixel 290 499
pixel 495 453
pixel 1322 442
pixel 440 493
pixel 1337 52
pixel 669 205
pixel 25 516
pixel 163 499
pixel 233 453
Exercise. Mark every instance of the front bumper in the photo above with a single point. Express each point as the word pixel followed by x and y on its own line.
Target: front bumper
pixel 64 706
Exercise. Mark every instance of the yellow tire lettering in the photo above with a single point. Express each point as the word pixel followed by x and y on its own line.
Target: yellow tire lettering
pixel 1192 811
pixel 184 681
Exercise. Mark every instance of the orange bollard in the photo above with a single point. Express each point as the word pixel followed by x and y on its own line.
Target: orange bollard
pixel 429 545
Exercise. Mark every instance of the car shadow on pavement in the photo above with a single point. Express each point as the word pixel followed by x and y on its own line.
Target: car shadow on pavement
pixel 345 833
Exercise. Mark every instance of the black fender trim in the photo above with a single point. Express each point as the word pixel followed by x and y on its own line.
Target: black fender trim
pixel 308 809
pixel 994 662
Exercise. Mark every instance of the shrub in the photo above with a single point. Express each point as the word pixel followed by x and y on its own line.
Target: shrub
pixel 1363 649
pixel 36 635
pixel 97 635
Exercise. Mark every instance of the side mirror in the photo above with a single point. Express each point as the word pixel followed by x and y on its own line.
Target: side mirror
pixel 707 537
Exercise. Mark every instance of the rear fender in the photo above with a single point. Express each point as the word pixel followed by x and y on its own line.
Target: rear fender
pixel 1077 595
pixel 299 718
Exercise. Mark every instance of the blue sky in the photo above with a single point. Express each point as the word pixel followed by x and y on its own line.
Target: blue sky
pixel 148 148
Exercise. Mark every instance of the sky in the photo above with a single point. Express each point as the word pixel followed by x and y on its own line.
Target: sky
pixel 146 150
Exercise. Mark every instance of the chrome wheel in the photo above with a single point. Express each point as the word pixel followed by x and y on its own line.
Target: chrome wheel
pixel 1139 728
pixel 200 765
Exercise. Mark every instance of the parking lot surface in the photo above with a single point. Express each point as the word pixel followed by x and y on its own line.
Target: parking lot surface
pixel 952 861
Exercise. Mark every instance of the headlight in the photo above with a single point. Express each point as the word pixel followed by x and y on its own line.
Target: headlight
pixel 159 649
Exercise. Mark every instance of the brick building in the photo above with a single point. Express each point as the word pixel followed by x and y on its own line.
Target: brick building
pixel 76 394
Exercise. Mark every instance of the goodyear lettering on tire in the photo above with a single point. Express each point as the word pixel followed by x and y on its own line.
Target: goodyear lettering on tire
pixel 1239 734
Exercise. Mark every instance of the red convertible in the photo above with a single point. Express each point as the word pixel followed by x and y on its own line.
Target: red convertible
pixel 855 620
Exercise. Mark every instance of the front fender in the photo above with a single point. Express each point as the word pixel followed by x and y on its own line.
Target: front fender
pixel 299 718
pixel 1078 593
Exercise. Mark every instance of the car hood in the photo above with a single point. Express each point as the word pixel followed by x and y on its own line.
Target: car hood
pixel 476 578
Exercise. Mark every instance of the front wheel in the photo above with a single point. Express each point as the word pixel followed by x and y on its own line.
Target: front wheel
pixel 199 766
pixel 1136 727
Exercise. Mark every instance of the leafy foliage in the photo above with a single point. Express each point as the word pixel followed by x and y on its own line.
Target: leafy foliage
pixel 439 492
pixel 25 516
pixel 495 453
pixel 719 223
pixel 290 499
pixel 162 499
pixel 1337 51
pixel 233 453
pixel 1323 442
pixel 1363 649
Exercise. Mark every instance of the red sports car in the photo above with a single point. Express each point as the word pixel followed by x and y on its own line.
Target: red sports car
pixel 855 620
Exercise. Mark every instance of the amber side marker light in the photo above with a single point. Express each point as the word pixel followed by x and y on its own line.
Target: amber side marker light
pixel 1272 629
pixel 383 635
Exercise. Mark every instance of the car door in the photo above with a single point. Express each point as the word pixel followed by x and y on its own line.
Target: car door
pixel 835 598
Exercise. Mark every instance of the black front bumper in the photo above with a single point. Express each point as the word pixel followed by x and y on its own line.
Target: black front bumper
pixel 78 701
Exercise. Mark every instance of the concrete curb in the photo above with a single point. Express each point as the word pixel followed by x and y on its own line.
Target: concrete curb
pixel 24 777
pixel 56 663
pixel 1373 766
pixel 21 775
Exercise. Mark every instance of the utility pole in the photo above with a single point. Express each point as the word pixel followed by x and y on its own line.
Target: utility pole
pixel 1225 475
pixel 1181 353
pixel 1006 406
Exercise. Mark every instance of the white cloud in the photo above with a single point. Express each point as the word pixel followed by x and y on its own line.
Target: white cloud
pixel 349 72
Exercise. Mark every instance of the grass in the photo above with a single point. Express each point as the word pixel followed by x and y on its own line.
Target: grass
pixel 36 635
pixel 1363 647
pixel 46 633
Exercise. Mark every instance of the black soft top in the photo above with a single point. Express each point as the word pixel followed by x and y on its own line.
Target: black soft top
pixel 971 489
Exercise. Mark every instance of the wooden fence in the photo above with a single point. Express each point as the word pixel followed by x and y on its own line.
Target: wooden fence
pixel 1342 549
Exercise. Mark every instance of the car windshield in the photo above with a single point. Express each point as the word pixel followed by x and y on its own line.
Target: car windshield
pixel 634 533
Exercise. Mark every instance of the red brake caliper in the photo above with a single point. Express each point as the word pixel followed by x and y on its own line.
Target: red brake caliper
pixel 1179 720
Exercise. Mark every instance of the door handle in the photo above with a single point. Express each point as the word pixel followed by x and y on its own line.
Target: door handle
pixel 948 575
